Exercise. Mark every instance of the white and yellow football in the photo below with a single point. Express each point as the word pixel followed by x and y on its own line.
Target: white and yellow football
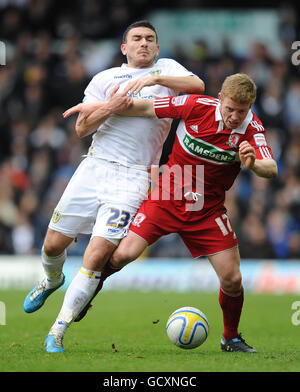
pixel 187 327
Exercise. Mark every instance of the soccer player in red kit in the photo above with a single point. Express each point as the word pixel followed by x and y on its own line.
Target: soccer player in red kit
pixel 217 135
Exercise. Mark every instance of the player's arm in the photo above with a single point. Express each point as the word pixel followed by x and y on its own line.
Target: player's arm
pixel 117 104
pixel 92 115
pixel 190 84
pixel 167 107
pixel 266 167
pixel 142 107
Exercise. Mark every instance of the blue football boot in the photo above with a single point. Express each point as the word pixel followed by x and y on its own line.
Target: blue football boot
pixel 37 296
pixel 53 343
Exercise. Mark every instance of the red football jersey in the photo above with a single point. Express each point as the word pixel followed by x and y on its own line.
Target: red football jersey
pixel 201 139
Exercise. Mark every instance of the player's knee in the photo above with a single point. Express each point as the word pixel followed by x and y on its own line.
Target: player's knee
pixel 232 281
pixel 51 248
pixel 97 253
pixel 121 257
pixel 55 243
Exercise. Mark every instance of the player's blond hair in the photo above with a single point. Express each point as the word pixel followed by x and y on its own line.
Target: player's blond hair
pixel 240 88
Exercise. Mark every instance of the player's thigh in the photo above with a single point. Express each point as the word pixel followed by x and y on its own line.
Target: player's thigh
pixel 111 226
pixel 97 253
pixel 208 235
pixel 227 266
pixel 153 220
pixel 129 249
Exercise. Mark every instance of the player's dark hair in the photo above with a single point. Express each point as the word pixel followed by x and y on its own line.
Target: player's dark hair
pixel 140 23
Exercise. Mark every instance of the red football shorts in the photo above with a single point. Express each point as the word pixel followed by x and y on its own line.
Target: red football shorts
pixel 203 232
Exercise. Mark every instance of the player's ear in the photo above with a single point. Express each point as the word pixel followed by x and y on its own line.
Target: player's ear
pixel 123 49
pixel 157 50
pixel 219 96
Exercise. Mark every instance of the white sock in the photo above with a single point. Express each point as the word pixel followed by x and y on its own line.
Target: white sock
pixel 53 267
pixel 78 294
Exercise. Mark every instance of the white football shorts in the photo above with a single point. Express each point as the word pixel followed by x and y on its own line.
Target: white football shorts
pixel 101 199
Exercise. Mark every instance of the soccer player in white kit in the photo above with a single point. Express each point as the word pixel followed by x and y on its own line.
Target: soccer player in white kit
pixel 112 181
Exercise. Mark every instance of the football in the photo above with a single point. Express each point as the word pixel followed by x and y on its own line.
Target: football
pixel 187 327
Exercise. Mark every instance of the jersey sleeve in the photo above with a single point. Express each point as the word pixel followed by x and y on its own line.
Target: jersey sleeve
pixel 93 92
pixel 257 138
pixel 174 107
pixel 176 69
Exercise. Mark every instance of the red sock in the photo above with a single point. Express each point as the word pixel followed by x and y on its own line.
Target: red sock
pixel 107 271
pixel 231 304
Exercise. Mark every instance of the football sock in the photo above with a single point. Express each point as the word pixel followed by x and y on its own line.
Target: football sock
pixel 231 303
pixel 53 268
pixel 107 271
pixel 78 294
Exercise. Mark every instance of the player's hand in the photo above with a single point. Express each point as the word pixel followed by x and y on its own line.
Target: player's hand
pixel 247 154
pixel 135 86
pixel 84 109
pixel 118 102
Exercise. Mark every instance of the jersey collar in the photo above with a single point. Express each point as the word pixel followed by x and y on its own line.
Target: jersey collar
pixel 241 129
pixel 125 65
pixel 219 118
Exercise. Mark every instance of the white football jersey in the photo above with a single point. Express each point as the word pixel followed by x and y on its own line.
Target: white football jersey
pixel 131 141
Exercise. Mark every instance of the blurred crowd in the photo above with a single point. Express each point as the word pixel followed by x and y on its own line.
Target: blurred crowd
pixel 54 48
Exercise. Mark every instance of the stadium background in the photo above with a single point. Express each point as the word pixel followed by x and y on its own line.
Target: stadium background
pixel 54 48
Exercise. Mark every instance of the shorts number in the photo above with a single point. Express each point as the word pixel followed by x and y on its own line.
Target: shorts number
pixel 220 222
pixel 116 214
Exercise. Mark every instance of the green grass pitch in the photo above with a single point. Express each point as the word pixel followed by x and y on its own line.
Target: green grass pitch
pixel 125 332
